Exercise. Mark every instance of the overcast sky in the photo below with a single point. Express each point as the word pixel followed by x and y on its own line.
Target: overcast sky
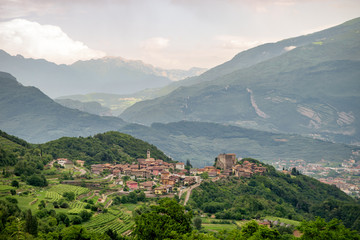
pixel 164 33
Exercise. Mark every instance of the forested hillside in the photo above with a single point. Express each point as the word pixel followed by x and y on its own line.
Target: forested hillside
pixel 109 147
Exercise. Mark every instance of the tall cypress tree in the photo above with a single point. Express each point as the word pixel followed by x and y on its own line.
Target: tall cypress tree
pixel 31 224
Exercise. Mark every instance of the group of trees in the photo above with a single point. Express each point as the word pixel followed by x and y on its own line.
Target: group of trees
pixel 169 220
pixel 276 194
pixel 165 220
pixel 132 197
pixel 106 147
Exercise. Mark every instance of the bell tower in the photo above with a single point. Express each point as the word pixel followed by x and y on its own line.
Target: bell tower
pixel 148 154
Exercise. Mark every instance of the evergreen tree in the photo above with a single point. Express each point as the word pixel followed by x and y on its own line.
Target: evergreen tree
pixel 31 223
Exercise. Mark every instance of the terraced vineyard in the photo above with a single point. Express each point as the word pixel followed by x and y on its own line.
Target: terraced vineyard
pixel 77 204
pixel 52 196
pixel 62 188
pixel 117 221
pixel 76 207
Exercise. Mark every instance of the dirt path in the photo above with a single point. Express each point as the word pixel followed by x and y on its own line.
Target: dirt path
pixel 189 192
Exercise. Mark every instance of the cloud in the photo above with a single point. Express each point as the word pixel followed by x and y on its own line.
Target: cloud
pixel 30 39
pixel 156 43
pixel 236 42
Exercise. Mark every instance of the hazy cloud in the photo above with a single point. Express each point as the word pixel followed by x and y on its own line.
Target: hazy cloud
pixel 30 39
pixel 156 43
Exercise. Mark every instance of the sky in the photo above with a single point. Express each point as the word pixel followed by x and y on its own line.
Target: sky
pixel 172 34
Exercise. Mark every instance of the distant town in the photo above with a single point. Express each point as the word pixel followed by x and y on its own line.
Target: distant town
pixel 346 176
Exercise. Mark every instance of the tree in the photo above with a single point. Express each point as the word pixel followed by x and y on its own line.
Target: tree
pixel 42 204
pixel 197 223
pixel 205 175
pixel 76 220
pixel 31 224
pixel 188 164
pixel 125 179
pixel 166 220
pixel 321 230
pixel 85 215
pixel 70 196
pixel 75 232
pixel 15 183
pixel 37 180
pixel 13 191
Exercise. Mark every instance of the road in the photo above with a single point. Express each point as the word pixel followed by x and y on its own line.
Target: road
pixel 189 192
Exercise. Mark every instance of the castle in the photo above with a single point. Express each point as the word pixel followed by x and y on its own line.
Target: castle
pixel 226 161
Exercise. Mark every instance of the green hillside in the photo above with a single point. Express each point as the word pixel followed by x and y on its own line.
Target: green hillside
pixel 200 142
pixel 296 197
pixel 11 148
pixel 31 115
pixel 311 89
pixel 109 147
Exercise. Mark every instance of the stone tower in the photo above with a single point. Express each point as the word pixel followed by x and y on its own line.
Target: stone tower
pixel 148 154
pixel 226 161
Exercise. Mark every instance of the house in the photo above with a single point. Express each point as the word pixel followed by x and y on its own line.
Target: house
pixel 97 168
pixel 160 190
pixel 247 169
pixel 163 189
pixel 80 162
pixel 212 174
pixel 180 165
pixel 68 164
pixel 61 161
pixel 132 185
pixel 147 185
pixel 193 171
pixel 116 172
pixel 189 180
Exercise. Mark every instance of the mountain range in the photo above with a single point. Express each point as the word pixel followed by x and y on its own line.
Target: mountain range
pixel 109 75
pixel 307 85
pixel 28 113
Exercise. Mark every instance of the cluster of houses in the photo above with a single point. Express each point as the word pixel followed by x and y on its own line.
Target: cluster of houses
pixel 167 175
pixel 247 169
pixel 170 174
pixel 228 163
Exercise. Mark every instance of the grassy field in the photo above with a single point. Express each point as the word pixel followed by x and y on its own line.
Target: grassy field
pixel 219 227
pixel 214 225
pixel 5 188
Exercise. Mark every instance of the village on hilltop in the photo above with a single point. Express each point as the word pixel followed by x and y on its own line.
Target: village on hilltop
pixel 158 177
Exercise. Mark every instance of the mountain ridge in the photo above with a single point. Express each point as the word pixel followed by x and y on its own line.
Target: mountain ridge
pixel 29 114
pixel 112 75
pixel 314 77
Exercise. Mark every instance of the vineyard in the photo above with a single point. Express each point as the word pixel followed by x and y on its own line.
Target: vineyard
pixel 117 221
pixel 62 188
pixel 52 196
pixel 77 207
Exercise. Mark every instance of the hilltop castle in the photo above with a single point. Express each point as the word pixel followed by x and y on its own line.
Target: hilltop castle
pixel 226 161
